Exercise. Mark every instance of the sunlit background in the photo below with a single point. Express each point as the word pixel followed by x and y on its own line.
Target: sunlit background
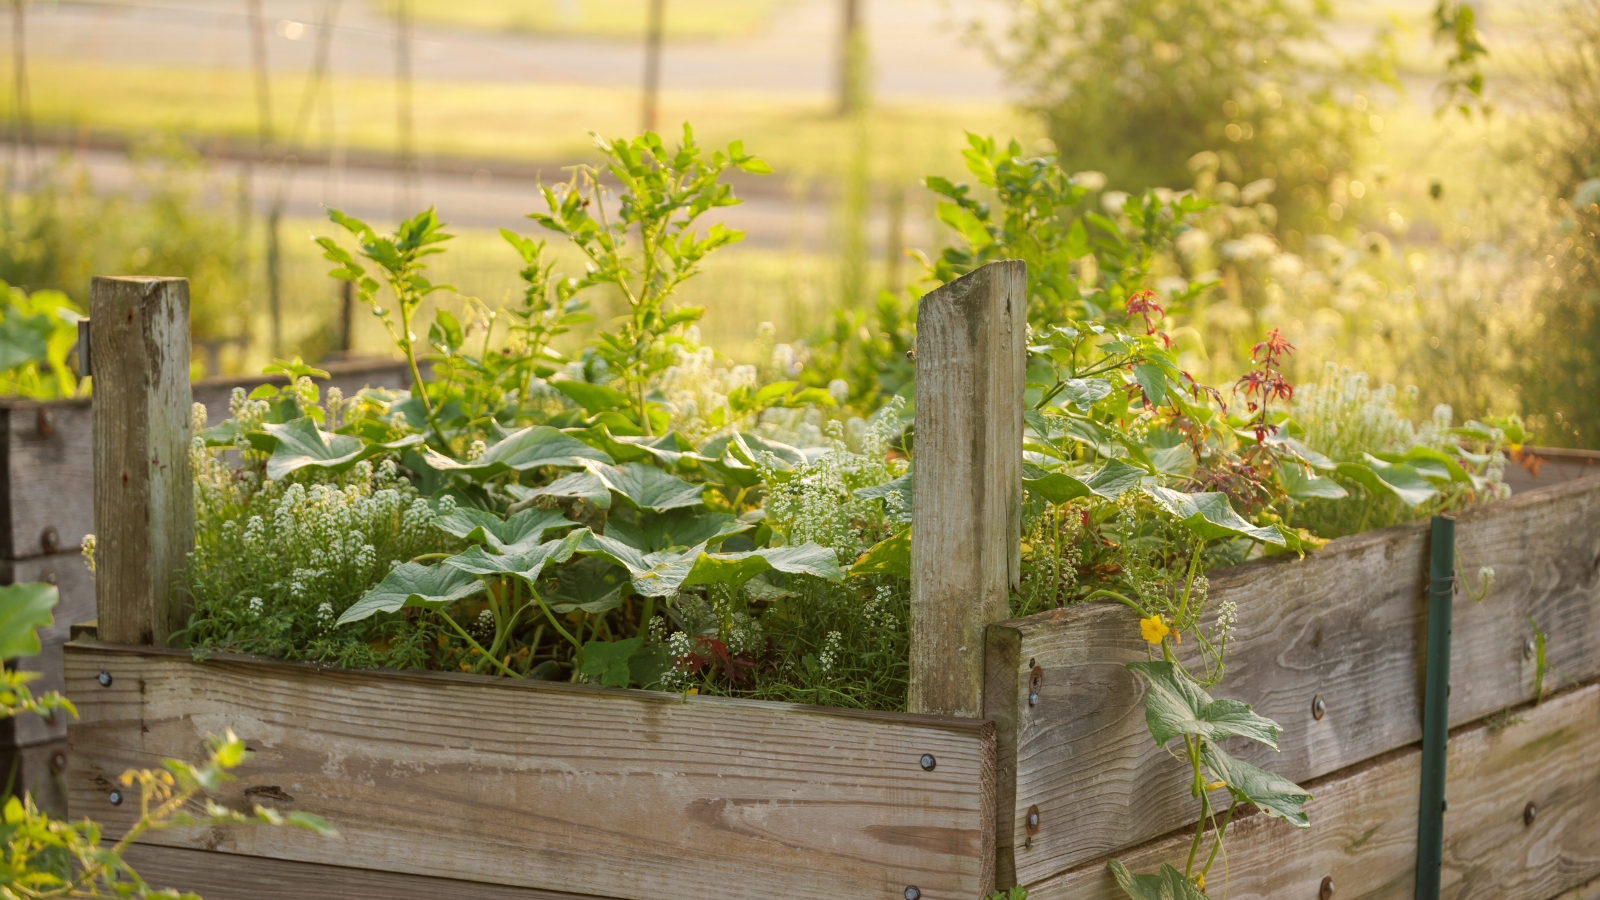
pixel 1373 203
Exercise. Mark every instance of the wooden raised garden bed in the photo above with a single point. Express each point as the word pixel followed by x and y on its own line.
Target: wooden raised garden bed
pixel 1027 762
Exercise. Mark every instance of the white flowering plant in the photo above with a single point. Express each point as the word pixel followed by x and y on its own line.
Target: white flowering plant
pixel 598 518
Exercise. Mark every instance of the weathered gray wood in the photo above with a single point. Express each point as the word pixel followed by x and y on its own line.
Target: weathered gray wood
pixel 39 771
pixel 967 499
pixel 76 586
pixel 560 787
pixel 1345 624
pixel 46 477
pixel 230 876
pixel 1547 466
pixel 1364 823
pixel 144 489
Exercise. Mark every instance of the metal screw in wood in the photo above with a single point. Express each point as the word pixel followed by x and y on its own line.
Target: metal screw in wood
pixel 58 762
pixel 1528 648
pixel 928 762
pixel 1529 813
pixel 1318 708
pixel 44 422
pixel 1032 822
pixel 913 892
pixel 50 540
pixel 115 798
pixel 1326 891
pixel 104 678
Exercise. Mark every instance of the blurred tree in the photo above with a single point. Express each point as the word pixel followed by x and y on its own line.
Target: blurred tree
pixel 1561 378
pixel 1136 88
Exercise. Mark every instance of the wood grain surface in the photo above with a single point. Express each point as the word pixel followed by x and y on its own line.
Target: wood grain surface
pixel 967 498
pixel 1364 823
pixel 46 477
pixel 219 876
pixel 71 577
pixel 1345 624
pixel 568 788
pixel 143 486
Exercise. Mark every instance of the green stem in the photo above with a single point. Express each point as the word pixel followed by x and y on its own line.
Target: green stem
pixel 1205 802
pixel 1188 588
pixel 1221 830
pixel 476 646
pixel 1143 614
pixel 557 625
pixel 427 556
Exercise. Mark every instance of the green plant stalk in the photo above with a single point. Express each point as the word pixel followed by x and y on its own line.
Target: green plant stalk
pixel 1221 830
pixel 476 646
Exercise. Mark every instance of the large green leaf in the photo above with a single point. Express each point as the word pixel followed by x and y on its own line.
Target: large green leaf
pixel 1154 382
pixel 1110 481
pixel 647 487
pixel 521 531
pixel 1084 393
pixel 663 574
pixel 607 661
pixel 900 487
pixel 1304 485
pixel 1271 793
pixel 530 448
pixel 1168 884
pixel 592 584
pixel 1403 481
pixel 526 563
pixel 24 338
pixel 676 529
pixel 890 556
pixel 594 398
pixel 24 608
pixel 578 486
pixel 414 584
pixel 299 444
pixel 1209 516
pixel 1175 705
pixel 1434 463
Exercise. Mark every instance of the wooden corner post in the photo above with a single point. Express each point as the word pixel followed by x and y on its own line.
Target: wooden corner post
pixel 143 489
pixel 967 501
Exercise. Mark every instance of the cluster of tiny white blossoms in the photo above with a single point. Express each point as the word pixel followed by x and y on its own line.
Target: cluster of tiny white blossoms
pixel 817 502
pixel 679 646
pixel 695 388
pixel 1344 417
pixel 831 648
pixel 302 550
pixel 878 612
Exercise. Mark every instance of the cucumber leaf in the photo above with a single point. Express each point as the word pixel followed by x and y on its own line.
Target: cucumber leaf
pixel 1271 793
pixel 1175 705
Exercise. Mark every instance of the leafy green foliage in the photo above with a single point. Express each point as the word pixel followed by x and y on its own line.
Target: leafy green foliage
pixel 38 331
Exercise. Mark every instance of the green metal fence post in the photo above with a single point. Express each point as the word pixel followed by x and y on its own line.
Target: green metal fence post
pixel 1435 708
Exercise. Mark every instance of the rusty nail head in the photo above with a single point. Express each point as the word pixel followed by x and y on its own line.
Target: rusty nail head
pixel 1529 813
pixel 1032 822
pixel 1319 708
pixel 910 354
pixel 913 892
pixel 928 762
pixel 1326 891
pixel 104 678
pixel 1033 698
pixel 44 421
pixel 1036 678
pixel 48 576
pixel 51 539
pixel 115 798
pixel 58 762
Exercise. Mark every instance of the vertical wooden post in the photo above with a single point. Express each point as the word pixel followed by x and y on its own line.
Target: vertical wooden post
pixel 967 501
pixel 143 488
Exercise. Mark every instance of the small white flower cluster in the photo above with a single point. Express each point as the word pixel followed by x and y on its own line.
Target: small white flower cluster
pixel 695 388
pixel 878 612
pixel 679 646
pixel 816 501
pixel 1227 619
pixel 831 648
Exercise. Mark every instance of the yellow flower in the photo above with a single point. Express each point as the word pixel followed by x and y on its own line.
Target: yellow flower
pixel 1153 629
pixel 693 690
pixel 1200 880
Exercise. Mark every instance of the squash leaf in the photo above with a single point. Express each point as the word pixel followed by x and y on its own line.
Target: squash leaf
pixel 24 608
pixel 414 584
pixel 529 448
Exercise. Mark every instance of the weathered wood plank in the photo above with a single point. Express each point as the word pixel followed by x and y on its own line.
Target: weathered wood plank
pixel 967 499
pixel 1550 466
pixel 619 793
pixel 46 478
pixel 40 771
pixel 230 876
pixel 1364 823
pixel 143 486
pixel 76 586
pixel 1344 624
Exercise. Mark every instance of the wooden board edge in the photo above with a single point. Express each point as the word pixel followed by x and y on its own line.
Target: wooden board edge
pixel 231 876
pixel 1001 699
pixel 1075 882
pixel 953 724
